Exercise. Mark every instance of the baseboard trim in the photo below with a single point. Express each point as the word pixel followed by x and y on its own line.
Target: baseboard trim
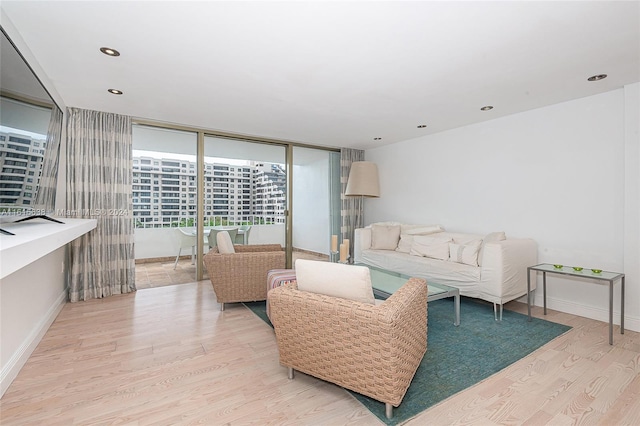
pixel 592 312
pixel 20 357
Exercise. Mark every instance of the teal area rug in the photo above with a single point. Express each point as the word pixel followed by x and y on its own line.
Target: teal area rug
pixel 459 357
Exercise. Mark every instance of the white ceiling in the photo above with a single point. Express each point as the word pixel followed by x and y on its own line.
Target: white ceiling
pixel 329 73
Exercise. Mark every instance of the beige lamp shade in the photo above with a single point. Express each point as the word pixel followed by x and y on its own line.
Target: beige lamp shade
pixel 363 179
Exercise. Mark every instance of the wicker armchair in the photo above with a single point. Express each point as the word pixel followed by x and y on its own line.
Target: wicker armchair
pixel 372 350
pixel 242 276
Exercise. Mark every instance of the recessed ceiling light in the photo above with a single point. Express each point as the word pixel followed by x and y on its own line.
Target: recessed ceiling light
pixel 377 139
pixel 422 126
pixel 486 108
pixel 109 51
pixel 597 77
pixel 115 91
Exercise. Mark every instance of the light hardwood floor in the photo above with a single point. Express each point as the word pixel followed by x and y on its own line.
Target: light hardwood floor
pixel 168 356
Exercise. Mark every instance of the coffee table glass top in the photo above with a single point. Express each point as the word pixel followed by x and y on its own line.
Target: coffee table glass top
pixel 385 283
pixel 389 282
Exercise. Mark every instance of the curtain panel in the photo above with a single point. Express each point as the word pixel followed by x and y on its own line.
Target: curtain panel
pixel 351 206
pixel 99 173
pixel 46 195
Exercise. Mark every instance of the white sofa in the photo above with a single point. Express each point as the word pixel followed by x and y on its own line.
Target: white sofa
pixel 489 267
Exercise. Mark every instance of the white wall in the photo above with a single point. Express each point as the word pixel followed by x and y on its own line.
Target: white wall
pixel 555 174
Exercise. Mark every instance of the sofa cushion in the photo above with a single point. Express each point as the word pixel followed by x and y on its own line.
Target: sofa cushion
pixel 405 243
pixel 335 279
pixel 434 246
pixel 385 237
pixel 407 233
pixel 225 245
pixel 465 253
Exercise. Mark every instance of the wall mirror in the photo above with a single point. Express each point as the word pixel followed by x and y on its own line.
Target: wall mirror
pixel 30 123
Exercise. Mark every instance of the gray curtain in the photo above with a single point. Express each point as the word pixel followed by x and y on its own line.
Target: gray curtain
pixel 351 206
pixel 46 195
pixel 99 170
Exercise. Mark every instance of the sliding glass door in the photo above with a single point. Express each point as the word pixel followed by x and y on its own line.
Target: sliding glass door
pixel 316 201
pixel 245 189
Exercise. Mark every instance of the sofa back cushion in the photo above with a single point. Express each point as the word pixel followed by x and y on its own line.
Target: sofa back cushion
pixel 407 232
pixel 335 279
pixel 435 246
pixel 385 237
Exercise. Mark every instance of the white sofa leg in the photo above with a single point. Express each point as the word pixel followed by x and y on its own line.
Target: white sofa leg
pixel 495 311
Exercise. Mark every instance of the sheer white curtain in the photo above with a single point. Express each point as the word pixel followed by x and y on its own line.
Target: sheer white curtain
pixel 46 195
pixel 351 206
pixel 99 170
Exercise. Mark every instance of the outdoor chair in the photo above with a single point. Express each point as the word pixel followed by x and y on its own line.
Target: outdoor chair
pixel 243 235
pixel 186 239
pixel 212 238
pixel 241 276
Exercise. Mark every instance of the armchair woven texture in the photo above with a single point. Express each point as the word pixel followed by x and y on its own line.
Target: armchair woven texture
pixel 372 350
pixel 242 276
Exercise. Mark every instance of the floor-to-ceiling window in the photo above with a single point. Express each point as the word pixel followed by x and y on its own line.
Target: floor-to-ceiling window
pixel 187 185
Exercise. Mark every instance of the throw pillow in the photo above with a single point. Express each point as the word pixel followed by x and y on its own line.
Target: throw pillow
pixel 404 245
pixel 225 245
pixel 433 246
pixel 335 279
pixel 385 237
pixel 465 253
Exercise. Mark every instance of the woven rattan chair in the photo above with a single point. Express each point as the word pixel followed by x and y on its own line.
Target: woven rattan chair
pixel 242 276
pixel 372 350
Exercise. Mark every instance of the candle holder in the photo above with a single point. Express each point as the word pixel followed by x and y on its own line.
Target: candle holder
pixel 333 257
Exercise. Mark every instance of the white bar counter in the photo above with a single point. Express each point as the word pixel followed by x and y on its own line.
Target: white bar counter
pixel 35 239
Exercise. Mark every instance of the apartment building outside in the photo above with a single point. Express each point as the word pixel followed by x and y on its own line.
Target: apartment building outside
pixel 21 158
pixel 164 193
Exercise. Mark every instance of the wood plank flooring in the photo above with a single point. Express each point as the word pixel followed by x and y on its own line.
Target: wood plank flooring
pixel 168 356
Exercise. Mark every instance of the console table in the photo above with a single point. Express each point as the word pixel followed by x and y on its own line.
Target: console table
pixel 610 277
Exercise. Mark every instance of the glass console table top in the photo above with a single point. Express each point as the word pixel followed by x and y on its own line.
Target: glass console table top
pixel 584 273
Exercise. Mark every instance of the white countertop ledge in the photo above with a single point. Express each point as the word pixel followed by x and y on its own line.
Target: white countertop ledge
pixel 35 239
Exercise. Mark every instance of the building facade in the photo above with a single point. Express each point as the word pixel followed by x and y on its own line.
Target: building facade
pixel 164 193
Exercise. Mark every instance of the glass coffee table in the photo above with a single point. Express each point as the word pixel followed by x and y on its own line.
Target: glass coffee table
pixel 385 283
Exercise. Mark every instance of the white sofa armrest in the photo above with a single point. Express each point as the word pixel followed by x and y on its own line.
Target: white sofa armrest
pixel 362 237
pixel 504 268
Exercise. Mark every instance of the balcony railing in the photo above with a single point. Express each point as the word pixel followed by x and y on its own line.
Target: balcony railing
pixel 212 220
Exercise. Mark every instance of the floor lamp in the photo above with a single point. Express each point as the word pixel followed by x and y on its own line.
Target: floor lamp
pixel 363 182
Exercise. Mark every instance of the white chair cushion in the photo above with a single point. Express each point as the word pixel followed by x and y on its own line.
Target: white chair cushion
pixel 225 245
pixel 385 237
pixel 433 246
pixel 335 279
